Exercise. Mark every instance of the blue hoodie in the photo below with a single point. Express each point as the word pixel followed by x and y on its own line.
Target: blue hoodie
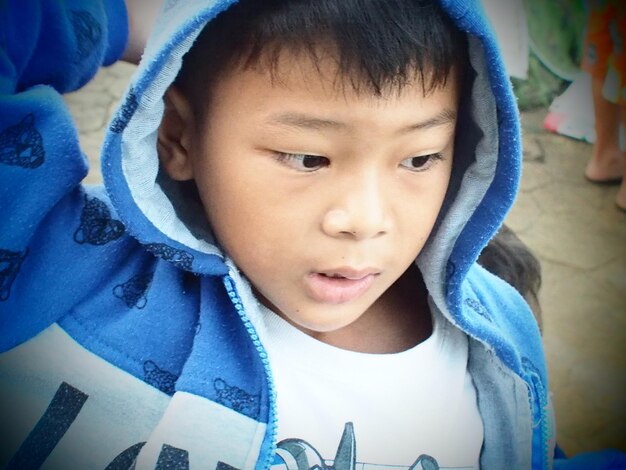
pixel 128 339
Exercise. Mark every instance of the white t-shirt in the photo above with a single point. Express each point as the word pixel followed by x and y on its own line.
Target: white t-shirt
pixel 374 410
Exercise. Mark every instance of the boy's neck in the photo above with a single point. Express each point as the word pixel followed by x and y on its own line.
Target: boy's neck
pixel 397 321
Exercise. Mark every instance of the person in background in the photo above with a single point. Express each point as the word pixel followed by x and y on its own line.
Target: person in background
pixel 604 57
pixel 509 258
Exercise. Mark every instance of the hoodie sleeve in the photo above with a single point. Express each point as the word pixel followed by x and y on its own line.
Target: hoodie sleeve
pixel 47 47
pixel 58 43
pixel 610 459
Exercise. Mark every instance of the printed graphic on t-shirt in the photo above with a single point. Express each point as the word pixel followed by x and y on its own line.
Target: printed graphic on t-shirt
pixel 298 454
pixel 60 403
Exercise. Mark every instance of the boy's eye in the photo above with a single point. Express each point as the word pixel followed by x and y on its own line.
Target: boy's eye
pixel 302 162
pixel 421 163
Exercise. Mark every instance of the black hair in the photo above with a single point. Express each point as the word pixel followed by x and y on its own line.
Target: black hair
pixel 378 44
pixel 509 258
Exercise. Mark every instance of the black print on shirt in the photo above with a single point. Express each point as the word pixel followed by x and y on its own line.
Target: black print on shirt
pixel 125 113
pixel 172 458
pixel 97 227
pixel 21 144
pixel 10 263
pixel 236 398
pixel 297 454
pixel 224 466
pixel 134 292
pixel 56 420
pixel 179 258
pixel 126 459
pixel 61 413
pixel 87 31
pixel 159 378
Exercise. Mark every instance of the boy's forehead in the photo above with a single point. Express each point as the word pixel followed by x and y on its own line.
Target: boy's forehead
pixel 305 70
pixel 300 93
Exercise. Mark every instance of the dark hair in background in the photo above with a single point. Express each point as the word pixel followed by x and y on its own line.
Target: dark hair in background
pixel 380 45
pixel 509 258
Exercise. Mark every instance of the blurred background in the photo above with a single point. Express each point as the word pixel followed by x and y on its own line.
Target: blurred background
pixel 571 225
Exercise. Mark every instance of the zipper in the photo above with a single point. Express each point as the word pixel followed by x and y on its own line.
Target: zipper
pixel 539 404
pixel 542 403
pixel 548 431
pixel 272 418
pixel 544 438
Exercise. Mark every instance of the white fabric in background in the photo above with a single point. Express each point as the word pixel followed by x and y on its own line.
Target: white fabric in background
pixel 508 18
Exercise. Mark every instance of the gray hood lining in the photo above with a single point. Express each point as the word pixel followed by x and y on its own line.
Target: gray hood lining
pixel 157 196
pixel 473 184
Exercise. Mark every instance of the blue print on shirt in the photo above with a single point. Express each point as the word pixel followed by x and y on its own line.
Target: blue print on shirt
pixel 134 292
pixel 297 454
pixel 478 308
pixel 179 258
pixel 159 378
pixel 97 227
pixel 10 263
pixel 21 144
pixel 237 399
pixel 87 31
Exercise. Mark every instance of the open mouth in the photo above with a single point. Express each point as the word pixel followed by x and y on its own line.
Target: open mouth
pixel 337 287
pixel 339 276
pixel 349 273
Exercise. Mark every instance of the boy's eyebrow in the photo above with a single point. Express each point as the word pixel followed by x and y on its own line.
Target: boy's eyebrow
pixel 305 121
pixel 292 119
pixel 447 116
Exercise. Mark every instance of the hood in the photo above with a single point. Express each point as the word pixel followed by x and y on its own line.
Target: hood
pixel 154 208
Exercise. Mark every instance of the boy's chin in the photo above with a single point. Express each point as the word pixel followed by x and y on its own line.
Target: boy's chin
pixel 321 324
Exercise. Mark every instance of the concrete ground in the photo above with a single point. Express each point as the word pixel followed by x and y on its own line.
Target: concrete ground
pixel 573 227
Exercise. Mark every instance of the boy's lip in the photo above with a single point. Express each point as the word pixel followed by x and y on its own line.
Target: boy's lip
pixel 349 273
pixel 338 286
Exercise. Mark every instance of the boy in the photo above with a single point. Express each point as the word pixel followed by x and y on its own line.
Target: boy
pixel 281 272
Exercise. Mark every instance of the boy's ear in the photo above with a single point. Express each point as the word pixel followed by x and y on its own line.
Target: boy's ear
pixel 175 136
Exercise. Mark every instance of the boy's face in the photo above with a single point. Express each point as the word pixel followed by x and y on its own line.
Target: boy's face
pixel 323 197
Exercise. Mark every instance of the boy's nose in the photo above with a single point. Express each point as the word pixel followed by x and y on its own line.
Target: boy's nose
pixel 359 210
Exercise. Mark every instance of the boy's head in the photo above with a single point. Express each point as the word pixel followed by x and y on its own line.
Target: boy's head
pixel 320 135
pixel 378 45
pixel 509 258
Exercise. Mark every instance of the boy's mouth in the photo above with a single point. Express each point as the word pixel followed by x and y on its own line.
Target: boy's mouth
pixel 341 285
